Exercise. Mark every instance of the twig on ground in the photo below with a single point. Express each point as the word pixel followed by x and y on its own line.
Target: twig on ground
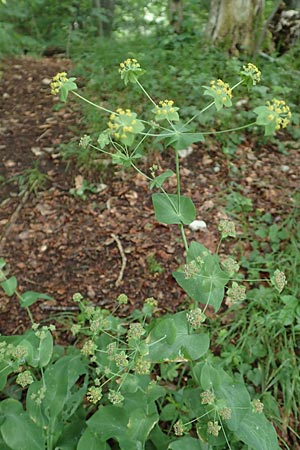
pixel 124 259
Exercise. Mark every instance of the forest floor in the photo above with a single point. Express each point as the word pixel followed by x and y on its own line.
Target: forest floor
pixel 109 243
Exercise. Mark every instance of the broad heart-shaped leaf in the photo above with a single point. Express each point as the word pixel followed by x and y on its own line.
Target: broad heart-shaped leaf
pixel 18 431
pixel 182 140
pixel 91 441
pixel 30 297
pixel 71 435
pixel 257 432
pixel 130 427
pixel 9 286
pixel 187 443
pixel 232 393
pixel 160 179
pixel 167 210
pixel 60 380
pixel 207 285
pixel 171 340
pixel 39 351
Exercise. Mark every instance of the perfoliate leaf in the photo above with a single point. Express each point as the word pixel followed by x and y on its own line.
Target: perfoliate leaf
pixel 67 87
pixel 202 278
pixel 182 140
pixel 160 179
pixel 168 210
pixel 9 286
pixel 30 297
pixel 171 339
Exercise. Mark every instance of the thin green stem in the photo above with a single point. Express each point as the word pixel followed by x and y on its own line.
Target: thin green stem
pixel 200 112
pixel 93 104
pixel 145 92
pixel 230 129
pixel 140 172
pixel 185 242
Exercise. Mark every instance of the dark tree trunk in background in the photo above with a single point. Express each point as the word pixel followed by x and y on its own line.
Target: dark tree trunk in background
pixel 106 16
pixel 176 15
pixel 292 4
pixel 235 24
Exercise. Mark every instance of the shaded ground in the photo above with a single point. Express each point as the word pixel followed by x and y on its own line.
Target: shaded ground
pixel 58 244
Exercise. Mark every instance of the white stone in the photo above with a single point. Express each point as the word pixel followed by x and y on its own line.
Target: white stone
pixel 185 152
pixel 197 225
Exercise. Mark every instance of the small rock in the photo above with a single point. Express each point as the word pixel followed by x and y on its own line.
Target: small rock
pixel 216 169
pixel 36 151
pixel 206 160
pixel 197 225
pixel 46 81
pixel 185 152
pixel 284 168
pixel 5 95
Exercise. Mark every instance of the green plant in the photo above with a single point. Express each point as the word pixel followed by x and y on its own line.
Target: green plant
pixel 82 187
pixel 154 266
pixel 32 180
pixel 111 389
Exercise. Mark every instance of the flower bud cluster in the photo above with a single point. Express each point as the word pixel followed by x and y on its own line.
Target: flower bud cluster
pixel 94 394
pixel 279 280
pixel 221 88
pixel 122 299
pixel 121 359
pixel 24 378
pixel 84 143
pixel 57 81
pixel 251 71
pixel 279 112
pixel 120 125
pixel 207 397
pixel 226 413
pixel 89 348
pixel 230 265
pixel 142 366
pixel 115 397
pixel 165 107
pixel 179 428
pixel 195 317
pixel 236 293
pixel 192 269
pixel 257 406
pixel 227 228
pixel 213 428
pixel 135 331
pixel 129 64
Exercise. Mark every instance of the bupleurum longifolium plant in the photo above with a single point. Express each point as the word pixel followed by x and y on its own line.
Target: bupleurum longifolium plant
pixel 144 381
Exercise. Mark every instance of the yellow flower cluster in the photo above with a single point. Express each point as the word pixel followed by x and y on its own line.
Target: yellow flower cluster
pixel 165 107
pixel 117 126
pixel 280 112
pixel 220 87
pixel 129 64
pixel 251 70
pixel 57 81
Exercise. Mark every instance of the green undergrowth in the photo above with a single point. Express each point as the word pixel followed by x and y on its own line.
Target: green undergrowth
pixel 178 70
pixel 260 339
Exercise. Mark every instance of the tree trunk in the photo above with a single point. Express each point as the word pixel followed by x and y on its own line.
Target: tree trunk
pixel 106 16
pixel 176 15
pixel 235 23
